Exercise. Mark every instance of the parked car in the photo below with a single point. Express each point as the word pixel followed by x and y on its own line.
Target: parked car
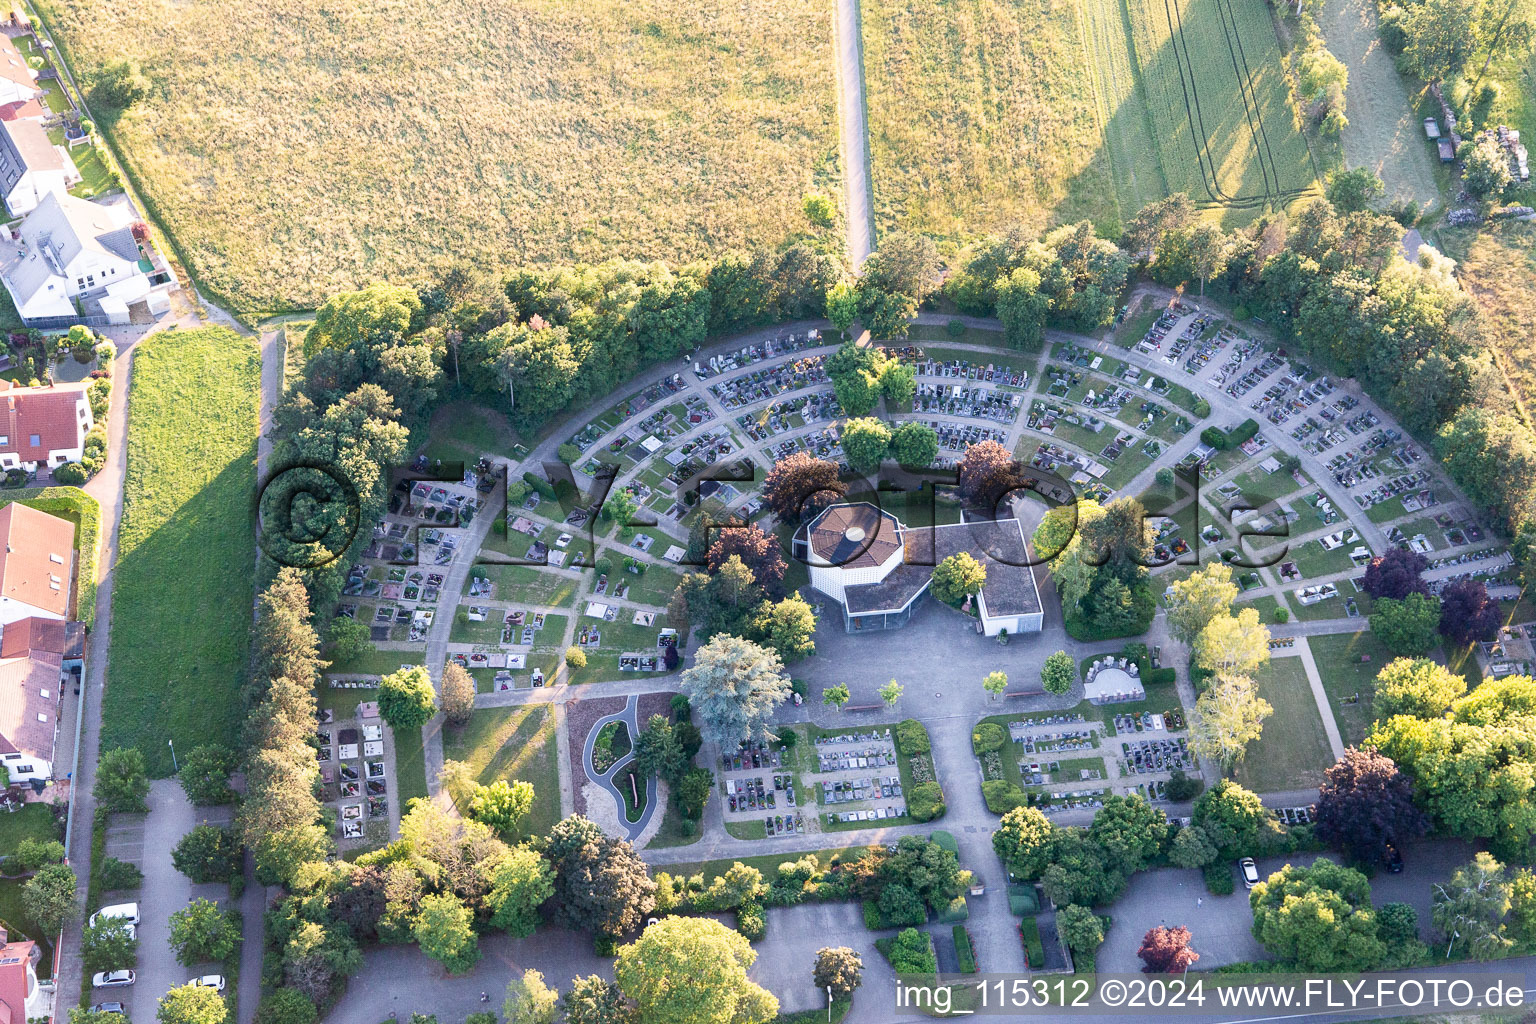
pixel 113 1007
pixel 1250 872
pixel 213 981
pixel 127 911
pixel 1394 859
pixel 112 979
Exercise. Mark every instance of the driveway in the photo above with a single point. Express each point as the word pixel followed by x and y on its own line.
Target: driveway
pixel 1221 926
pixel 165 890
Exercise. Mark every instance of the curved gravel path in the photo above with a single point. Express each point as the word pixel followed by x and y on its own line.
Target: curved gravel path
pixel 631 718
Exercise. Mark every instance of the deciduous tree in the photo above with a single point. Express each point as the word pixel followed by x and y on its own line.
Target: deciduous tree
pixel 1364 803
pixel 48 896
pixel 444 931
pixel 1196 600
pixel 1234 645
pixel 1318 918
pixel 865 441
pixel 914 444
pixel 692 970
pixel 191 1004
pixel 530 1000
pixel 1470 908
pixel 1409 627
pixel 1228 716
pixel 839 969
pixel 601 886
pixel 1416 686
pixel 1396 574
pixel 502 806
pixel 200 932
pixel 957 576
pixel 406 699
pixel 1166 951
pixel 458 696
pixel 1026 841
pixel 1467 614
pixel 1059 673
pixel 801 485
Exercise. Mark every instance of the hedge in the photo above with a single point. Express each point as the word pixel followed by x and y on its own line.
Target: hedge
pixel 540 484
pixel 926 801
pixel 912 737
pixel 987 737
pixel 963 950
pixel 1022 900
pixel 1224 440
pixel 1029 934
pixel 1002 795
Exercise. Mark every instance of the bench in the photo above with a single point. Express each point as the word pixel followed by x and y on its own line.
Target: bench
pixel 863 707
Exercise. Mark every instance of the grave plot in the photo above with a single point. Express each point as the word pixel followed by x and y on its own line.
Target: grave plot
pixel 627 409
pixel 1055 761
pixel 823 443
pixel 761 385
pixel 761 794
pixel 861 781
pixel 783 345
pixel 1244 351
pixel 356 769
pixel 982 403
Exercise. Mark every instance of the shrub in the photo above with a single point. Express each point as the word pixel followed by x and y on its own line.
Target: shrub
pixel 1218 879
pixel 1202 408
pixel 964 951
pixel 114 875
pixel 987 737
pixel 955 327
pixel 286 1006
pixel 926 801
pixel 71 474
pixel 575 657
pixel 1181 787
pixel 956 909
pixel 912 737
pixel 1002 795
pixel 1282 615
pixel 751 921
pixel 568 453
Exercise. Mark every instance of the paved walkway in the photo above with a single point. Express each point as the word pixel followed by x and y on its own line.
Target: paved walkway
pixel 631 719
pixel 854 132
pixel 1320 695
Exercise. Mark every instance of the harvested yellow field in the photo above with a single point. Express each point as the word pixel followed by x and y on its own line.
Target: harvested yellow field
pixel 298 148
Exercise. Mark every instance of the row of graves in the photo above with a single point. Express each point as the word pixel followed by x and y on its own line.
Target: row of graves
pixel 1243 350
pixel 1483 563
pixel 1202 349
pixel 1154 745
pixel 860 778
pixel 782 345
pixel 644 439
pixel 1187 338
pixel 685 462
pixel 957 437
pixel 825 443
pixel 963 369
pixel 1079 468
pixel 1252 377
pixel 1166 321
pixel 982 403
pixel 634 405
pixel 355 769
pixel 1298 393
pixel 760 385
pixel 1050 745
pixel 756 789
pixel 507 666
pixel 1512 652
pixel 790 414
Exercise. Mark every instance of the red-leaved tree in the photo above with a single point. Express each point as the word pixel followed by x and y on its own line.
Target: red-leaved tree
pixel 801 485
pixel 758 551
pixel 1166 951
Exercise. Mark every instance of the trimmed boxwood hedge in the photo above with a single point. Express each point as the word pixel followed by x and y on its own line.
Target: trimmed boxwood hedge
pixel 963 950
pixel 987 737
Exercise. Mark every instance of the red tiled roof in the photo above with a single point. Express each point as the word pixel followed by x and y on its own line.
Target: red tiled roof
pixel 50 414
pixel 14 957
pixel 29 707
pixel 37 551
pixel 23 111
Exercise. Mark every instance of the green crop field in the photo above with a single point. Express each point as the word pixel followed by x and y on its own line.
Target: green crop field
pixel 293 153
pixel 980 117
pixel 182 591
pixel 1218 101
pixel 985 114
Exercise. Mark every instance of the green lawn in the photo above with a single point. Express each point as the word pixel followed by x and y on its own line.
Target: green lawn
pixel 33 821
pixel 1293 750
pixel 1344 674
pixel 1314 560
pixel 767 863
pixel 186 548
pixel 464 431
pixel 533 584
pixel 512 743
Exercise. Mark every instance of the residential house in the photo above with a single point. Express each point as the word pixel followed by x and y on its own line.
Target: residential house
pixel 21 998
pixel 31 166
pixel 35 564
pixel 69 250
pixel 44 426
pixel 18 82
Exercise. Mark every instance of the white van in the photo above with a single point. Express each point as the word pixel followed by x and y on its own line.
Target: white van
pixel 127 911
